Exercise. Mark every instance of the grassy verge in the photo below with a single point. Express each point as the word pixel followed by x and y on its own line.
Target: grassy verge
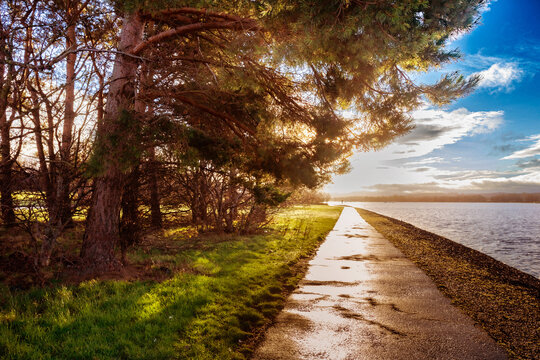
pixel 229 289
pixel 503 300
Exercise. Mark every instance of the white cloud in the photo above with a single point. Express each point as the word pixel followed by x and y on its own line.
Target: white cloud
pixel 500 76
pixel 402 160
pixel 465 175
pixel 530 164
pixel 469 181
pixel 485 7
pixel 514 185
pixel 426 161
pixel 528 181
pixel 532 150
pixel 437 128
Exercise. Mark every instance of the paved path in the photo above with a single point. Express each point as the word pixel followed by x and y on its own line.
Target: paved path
pixel 362 299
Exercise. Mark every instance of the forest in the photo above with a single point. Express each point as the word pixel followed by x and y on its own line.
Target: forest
pixel 119 118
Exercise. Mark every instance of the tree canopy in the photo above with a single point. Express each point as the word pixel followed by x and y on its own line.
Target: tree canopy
pixel 277 92
pixel 279 76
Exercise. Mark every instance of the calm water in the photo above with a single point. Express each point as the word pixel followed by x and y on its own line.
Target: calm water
pixel 508 232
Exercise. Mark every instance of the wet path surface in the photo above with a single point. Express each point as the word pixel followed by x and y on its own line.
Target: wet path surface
pixel 362 299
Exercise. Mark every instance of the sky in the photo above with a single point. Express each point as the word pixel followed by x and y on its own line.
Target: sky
pixel 487 142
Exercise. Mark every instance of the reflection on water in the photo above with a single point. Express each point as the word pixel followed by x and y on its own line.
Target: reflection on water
pixel 508 232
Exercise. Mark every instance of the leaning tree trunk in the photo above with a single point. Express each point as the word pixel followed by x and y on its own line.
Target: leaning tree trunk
pixel 112 142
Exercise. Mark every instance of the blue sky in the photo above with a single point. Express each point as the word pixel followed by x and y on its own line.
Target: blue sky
pixel 486 142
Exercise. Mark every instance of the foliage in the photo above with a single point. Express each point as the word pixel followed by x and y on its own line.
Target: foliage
pixel 209 178
pixel 307 196
pixel 230 287
pixel 277 91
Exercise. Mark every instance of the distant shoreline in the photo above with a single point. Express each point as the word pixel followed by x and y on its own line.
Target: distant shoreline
pixel 468 198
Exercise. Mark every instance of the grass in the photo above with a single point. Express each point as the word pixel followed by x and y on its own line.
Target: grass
pixel 502 300
pixel 228 291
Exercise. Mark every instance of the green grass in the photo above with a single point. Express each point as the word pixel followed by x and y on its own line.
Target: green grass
pixel 233 287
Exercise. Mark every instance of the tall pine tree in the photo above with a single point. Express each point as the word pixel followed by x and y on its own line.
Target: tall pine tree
pixel 273 78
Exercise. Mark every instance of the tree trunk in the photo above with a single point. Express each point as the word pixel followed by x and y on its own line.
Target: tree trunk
pixel 199 203
pixel 156 219
pixel 101 236
pixel 129 221
pixel 60 209
pixel 102 229
pixel 6 181
pixel 129 224
pixel 45 174
pixel 64 166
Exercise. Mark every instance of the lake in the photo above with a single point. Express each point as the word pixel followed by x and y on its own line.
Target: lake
pixel 508 232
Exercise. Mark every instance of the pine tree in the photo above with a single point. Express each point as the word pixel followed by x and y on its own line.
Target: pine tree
pixel 271 79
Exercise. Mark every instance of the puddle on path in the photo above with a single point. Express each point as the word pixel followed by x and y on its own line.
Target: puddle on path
pixel 361 299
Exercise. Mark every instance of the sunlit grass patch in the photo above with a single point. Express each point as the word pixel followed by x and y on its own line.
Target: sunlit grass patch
pixel 22 196
pixel 229 287
pixel 181 232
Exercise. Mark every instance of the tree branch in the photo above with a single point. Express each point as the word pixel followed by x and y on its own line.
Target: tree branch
pixel 246 24
pixel 217 114
pixel 199 12
pixel 48 65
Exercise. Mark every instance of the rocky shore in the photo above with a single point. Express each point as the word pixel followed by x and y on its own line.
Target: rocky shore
pixel 504 301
